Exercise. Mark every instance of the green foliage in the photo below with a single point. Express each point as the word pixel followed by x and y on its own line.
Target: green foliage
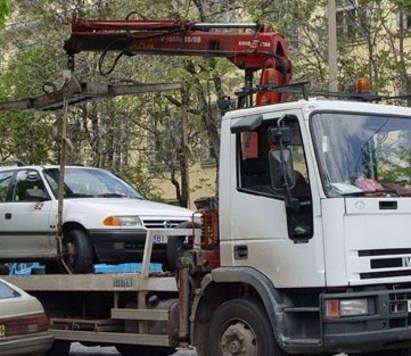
pixel 4 12
pixel 114 133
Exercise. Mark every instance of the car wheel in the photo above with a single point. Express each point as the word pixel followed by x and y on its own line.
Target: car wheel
pixel 78 252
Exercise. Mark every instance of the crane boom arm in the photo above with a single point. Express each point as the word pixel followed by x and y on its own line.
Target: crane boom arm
pixel 250 47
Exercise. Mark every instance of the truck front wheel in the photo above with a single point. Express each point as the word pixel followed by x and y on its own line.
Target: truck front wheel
pixel 241 327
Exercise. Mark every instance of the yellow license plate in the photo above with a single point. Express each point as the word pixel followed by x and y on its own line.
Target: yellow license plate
pixel 2 330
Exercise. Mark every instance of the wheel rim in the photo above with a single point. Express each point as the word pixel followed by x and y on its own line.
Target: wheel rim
pixel 70 253
pixel 238 339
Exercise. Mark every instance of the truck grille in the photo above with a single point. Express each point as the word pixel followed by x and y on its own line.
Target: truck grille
pixel 386 263
pixel 162 223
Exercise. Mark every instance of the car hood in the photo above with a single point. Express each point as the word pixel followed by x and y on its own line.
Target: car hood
pixel 125 206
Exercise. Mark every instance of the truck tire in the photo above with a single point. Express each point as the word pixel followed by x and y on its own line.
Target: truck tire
pixel 140 350
pixel 240 326
pixel 78 252
pixel 59 348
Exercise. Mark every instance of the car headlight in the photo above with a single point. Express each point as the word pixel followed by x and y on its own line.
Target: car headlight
pixel 115 220
pixel 336 308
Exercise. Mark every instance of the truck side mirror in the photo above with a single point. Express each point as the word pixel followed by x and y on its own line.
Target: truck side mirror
pixel 281 169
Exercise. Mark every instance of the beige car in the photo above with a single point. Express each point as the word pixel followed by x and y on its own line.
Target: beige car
pixel 23 323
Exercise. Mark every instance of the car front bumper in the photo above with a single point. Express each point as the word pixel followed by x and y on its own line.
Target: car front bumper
pixel 114 246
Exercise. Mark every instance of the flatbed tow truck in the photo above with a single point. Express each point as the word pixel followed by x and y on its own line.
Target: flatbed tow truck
pixel 306 250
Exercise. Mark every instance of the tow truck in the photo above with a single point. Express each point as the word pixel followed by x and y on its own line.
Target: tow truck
pixel 305 251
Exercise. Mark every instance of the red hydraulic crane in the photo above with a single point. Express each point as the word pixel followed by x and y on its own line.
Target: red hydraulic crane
pixel 250 47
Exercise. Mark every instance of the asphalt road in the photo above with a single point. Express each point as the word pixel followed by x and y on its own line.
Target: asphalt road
pixel 79 350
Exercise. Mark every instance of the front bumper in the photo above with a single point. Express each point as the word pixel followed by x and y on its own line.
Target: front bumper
pixel 118 246
pixel 387 325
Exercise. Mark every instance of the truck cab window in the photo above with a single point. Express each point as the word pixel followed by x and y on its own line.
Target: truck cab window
pixel 255 176
pixel 254 167
pixel 253 158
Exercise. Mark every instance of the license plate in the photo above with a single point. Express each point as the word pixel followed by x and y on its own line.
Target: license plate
pixel 2 330
pixel 162 239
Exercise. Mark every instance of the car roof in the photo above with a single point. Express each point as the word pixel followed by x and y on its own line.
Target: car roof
pixel 41 167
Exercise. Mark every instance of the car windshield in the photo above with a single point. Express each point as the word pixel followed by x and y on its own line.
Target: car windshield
pixel 90 183
pixel 359 154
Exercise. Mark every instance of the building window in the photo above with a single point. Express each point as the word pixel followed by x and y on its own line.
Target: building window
pixel 206 153
pixel 404 19
pixel 350 18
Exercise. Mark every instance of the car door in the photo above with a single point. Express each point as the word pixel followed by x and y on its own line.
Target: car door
pixel 26 232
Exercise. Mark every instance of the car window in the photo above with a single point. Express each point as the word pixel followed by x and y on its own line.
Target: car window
pixel 83 183
pixel 7 292
pixel 26 179
pixel 5 178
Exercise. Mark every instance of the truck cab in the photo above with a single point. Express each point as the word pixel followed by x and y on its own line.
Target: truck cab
pixel 315 196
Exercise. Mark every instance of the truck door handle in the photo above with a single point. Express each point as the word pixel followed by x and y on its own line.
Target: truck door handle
pixel 240 252
pixel 7 216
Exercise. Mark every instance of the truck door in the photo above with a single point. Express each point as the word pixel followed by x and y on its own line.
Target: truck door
pixel 265 233
pixel 26 232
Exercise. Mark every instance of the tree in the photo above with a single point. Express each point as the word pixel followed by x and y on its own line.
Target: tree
pixel 4 12
pixel 113 133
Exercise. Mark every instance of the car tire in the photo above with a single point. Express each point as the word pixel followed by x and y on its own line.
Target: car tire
pixel 78 252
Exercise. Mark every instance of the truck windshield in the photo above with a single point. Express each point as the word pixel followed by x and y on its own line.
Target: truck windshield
pixel 90 183
pixel 363 154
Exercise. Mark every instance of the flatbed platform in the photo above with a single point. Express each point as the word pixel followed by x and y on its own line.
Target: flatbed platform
pixel 94 282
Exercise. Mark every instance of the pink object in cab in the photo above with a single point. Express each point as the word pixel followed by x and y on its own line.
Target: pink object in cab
pixel 367 184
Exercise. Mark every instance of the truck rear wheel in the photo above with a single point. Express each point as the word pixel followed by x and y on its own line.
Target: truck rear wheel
pixel 140 350
pixel 240 326
pixel 78 252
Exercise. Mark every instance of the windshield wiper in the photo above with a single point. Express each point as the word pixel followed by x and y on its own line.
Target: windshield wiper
pixel 78 195
pixel 112 195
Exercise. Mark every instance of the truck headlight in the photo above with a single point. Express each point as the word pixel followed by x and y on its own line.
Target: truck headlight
pixel 336 308
pixel 115 220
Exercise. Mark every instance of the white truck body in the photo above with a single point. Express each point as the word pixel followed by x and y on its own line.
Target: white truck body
pixel 319 270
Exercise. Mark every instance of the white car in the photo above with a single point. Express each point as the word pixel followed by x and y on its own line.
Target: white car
pixel 23 324
pixel 105 220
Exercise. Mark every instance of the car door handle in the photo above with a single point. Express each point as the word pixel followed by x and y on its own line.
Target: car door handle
pixel 7 216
